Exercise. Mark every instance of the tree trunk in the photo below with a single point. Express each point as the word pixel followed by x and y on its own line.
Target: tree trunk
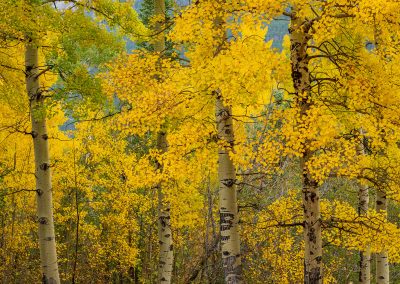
pixel 311 202
pixel 229 220
pixel 365 256
pixel 166 255
pixel 363 204
pixel 47 244
pixel 382 259
pixel 312 227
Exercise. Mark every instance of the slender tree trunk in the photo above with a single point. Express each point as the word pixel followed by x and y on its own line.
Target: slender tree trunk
pixel 47 243
pixel 311 202
pixel 363 204
pixel 365 256
pixel 166 256
pixel 382 259
pixel 312 227
pixel 228 208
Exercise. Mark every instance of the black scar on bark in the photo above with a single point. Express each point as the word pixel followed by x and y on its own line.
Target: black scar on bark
pixel 163 221
pixel 226 221
pixel 43 220
pixel 44 166
pixel 39 192
pixel 171 247
pixel 379 202
pixel 313 196
pixel 311 235
pixel 227 217
pixel 228 182
pixel 225 227
pixel 45 136
pixel 34 134
pixel 225 238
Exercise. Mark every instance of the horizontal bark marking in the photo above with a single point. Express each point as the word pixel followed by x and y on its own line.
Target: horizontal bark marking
pixel 225 238
pixel 228 182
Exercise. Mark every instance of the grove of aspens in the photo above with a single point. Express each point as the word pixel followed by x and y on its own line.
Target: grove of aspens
pixel 200 141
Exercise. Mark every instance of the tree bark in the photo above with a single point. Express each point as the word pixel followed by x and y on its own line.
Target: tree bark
pixel 363 204
pixel 382 259
pixel 47 244
pixel 166 254
pixel 365 256
pixel 299 38
pixel 229 220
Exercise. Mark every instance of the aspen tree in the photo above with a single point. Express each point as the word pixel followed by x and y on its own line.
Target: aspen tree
pixel 299 37
pixel 382 258
pixel 228 207
pixel 47 242
pixel 229 220
pixel 365 256
pixel 363 205
pixel 166 254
